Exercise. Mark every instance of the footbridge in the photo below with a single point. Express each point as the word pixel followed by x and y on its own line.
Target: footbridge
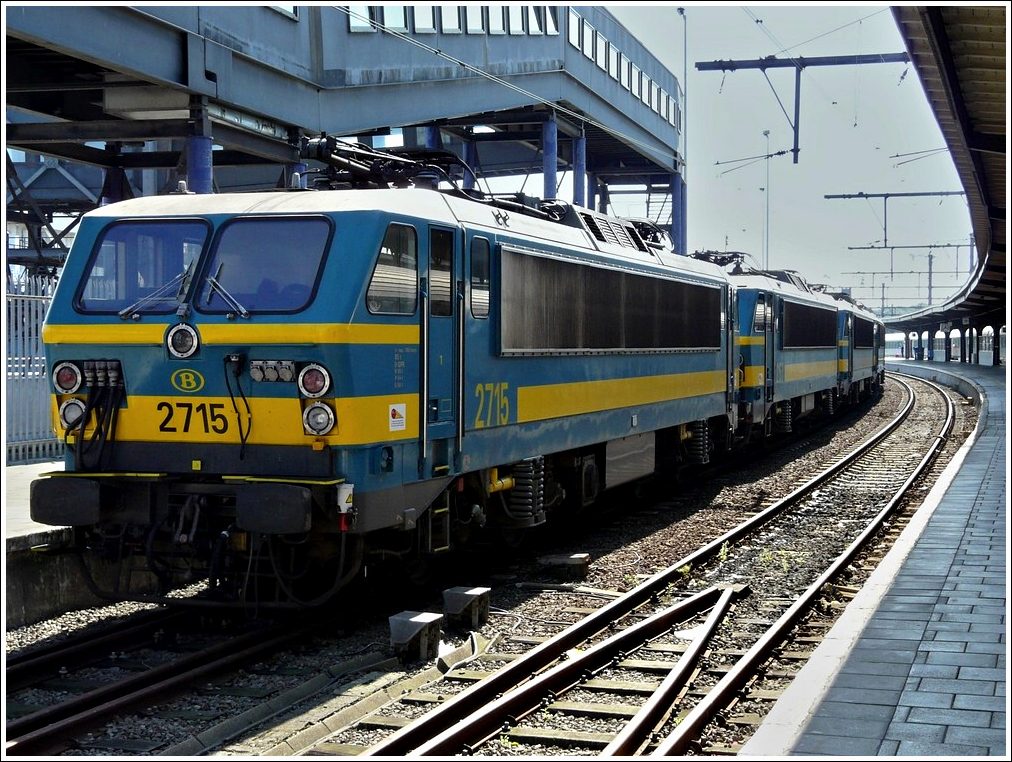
pixel 109 102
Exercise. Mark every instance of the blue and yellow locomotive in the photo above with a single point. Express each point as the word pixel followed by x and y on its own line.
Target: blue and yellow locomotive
pixel 802 352
pixel 267 391
pixel 862 351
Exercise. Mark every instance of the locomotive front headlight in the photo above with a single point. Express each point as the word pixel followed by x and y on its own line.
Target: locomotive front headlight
pixel 314 381
pixel 182 340
pixel 67 378
pixel 71 413
pixel 318 419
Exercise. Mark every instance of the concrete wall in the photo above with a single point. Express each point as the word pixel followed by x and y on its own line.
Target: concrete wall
pixel 44 580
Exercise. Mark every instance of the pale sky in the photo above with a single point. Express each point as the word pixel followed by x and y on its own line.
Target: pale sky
pixel 863 129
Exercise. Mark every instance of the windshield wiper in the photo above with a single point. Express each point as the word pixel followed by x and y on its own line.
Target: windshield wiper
pixel 212 281
pixel 160 294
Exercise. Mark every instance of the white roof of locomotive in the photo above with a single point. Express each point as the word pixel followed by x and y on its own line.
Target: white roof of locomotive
pixel 411 201
pixel 767 282
pixel 433 206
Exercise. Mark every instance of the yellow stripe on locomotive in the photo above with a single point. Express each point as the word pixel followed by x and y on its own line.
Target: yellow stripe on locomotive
pixel 797 371
pixel 536 403
pixel 271 420
pixel 261 333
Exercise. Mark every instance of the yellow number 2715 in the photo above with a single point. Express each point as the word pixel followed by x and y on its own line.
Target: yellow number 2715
pixel 493 405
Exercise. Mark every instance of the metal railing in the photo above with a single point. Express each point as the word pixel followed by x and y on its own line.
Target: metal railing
pixel 29 435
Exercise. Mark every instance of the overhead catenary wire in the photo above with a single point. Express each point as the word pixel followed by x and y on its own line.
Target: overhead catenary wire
pixel 785 48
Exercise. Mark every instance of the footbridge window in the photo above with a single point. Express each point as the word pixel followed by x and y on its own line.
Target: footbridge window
pixel 541 19
pixel 497 19
pixel 609 58
pixel 362 18
pixel 395 17
pixel 477 19
pixel 449 17
pixel 425 19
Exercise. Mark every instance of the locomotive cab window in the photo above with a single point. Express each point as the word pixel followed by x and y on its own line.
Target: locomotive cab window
pixel 393 287
pixel 441 273
pixel 141 267
pixel 761 315
pixel 265 264
pixel 479 277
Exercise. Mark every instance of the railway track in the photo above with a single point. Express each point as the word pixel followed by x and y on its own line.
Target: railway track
pixel 78 686
pixel 767 581
pixel 23 670
pixel 743 589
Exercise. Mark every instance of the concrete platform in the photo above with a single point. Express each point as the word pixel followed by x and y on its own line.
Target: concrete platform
pixel 917 664
pixel 20 532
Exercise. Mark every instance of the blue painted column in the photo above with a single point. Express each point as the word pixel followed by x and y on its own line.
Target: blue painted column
pixel 591 191
pixel 550 152
pixel 199 162
pixel 433 138
pixel 580 171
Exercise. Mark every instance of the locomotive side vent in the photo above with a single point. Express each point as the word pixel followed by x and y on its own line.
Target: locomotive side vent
pixel 611 231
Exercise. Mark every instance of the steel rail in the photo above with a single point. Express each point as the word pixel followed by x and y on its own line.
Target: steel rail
pixel 635 736
pixel 487 720
pixel 36 733
pixel 23 670
pixel 690 726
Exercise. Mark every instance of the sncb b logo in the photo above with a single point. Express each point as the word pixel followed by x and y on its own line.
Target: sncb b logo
pixel 187 381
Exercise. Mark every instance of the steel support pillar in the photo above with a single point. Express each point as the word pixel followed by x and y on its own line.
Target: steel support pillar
pixel 580 171
pixel 115 186
pixel 199 146
pixel 550 152
pixel 199 164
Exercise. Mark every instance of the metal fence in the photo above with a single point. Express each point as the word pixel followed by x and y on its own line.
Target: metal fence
pixel 29 434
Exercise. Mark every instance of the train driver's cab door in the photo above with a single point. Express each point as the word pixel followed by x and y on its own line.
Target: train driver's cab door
pixel 764 328
pixel 440 366
pixel 847 350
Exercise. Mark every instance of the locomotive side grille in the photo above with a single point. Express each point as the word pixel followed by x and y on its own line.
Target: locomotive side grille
pixel 613 232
